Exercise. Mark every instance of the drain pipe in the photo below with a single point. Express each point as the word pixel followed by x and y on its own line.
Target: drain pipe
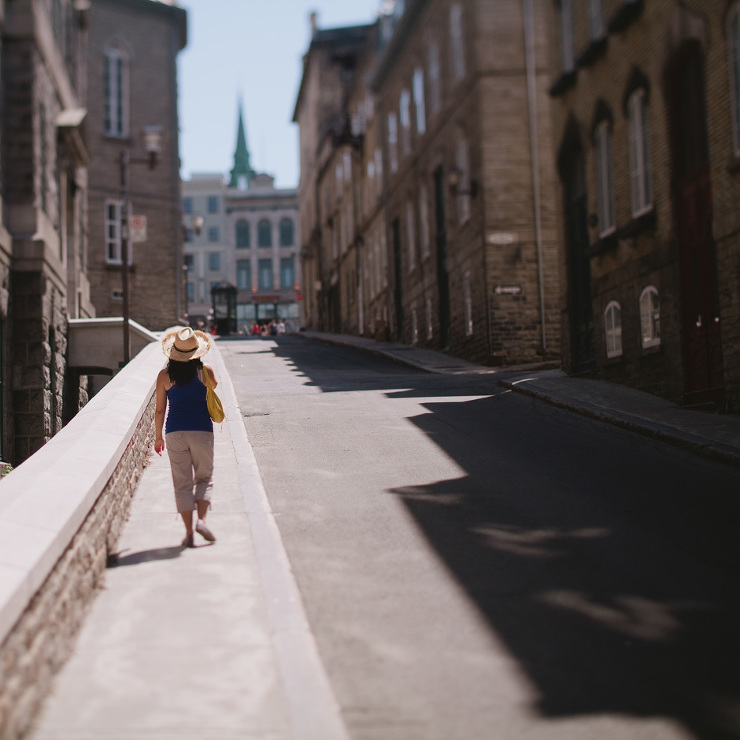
pixel 529 32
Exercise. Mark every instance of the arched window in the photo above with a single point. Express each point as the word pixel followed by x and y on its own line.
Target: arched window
pixel 734 47
pixel 242 234
pixel 637 110
pixel 286 232
pixel 264 233
pixel 604 179
pixel 116 92
pixel 650 317
pixel 613 329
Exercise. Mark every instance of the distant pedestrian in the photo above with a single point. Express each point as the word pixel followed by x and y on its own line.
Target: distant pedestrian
pixel 189 430
pixel 281 327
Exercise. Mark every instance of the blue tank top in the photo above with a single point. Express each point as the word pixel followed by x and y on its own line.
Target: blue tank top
pixel 188 411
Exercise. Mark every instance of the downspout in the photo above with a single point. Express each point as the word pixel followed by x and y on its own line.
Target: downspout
pixel 529 32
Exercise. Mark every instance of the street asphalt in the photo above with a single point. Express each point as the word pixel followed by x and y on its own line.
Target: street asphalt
pixel 214 642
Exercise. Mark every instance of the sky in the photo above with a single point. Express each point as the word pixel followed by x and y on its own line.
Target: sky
pixel 252 49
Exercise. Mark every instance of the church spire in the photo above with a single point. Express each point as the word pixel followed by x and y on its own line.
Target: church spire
pixel 242 173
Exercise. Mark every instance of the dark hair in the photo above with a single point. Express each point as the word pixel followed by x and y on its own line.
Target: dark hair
pixel 181 373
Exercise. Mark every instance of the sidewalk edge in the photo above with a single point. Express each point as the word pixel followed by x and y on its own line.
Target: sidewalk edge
pixel 314 710
pixel 696 444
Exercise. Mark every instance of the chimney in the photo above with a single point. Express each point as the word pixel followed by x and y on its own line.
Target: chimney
pixel 314 22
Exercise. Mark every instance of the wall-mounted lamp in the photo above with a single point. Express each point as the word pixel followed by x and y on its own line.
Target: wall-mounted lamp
pixel 153 140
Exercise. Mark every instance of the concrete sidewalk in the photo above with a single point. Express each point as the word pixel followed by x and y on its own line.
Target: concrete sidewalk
pixel 210 642
pixel 713 436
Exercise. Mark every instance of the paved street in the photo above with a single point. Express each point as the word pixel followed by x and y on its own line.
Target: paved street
pixel 475 563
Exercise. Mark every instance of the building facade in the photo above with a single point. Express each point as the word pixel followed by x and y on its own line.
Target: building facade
pixel 132 78
pixel 241 236
pixel 647 135
pixel 433 180
pixel 44 176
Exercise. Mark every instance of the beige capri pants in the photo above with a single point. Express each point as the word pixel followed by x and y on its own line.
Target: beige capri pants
pixel 191 460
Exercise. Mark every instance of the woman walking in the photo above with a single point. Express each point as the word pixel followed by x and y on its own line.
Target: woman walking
pixel 189 429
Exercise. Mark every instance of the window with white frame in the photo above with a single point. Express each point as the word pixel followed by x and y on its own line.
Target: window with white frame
pixel 410 235
pixel 244 275
pixel 734 46
pixel 116 93
pixel 468 304
pixel 214 261
pixel 566 35
pixel 421 116
pixel 424 240
pixel 650 317
pixel 212 204
pixel 604 178
pixel 405 116
pixel 456 39
pixel 463 187
pixel 264 233
pixel 113 231
pixel 642 197
pixel 613 329
pixel 435 93
pixel 264 268
pixel 393 141
pixel 596 19
pixel 214 234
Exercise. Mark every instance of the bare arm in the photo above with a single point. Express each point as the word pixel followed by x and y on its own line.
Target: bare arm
pixel 211 375
pixel 159 411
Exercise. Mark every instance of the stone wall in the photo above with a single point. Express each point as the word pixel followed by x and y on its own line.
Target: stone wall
pixel 36 643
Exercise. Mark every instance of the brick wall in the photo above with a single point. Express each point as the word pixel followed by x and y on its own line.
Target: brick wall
pixel 43 638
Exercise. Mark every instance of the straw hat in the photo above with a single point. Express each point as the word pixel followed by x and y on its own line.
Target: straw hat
pixel 183 343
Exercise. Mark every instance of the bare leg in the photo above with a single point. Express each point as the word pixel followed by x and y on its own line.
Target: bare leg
pixel 203 507
pixel 187 518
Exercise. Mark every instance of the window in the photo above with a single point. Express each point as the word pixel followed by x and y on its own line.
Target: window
pixel 596 19
pixel 243 238
pixel 734 45
pixel 642 198
pixel 212 204
pixel 405 116
pixel 189 262
pixel 424 242
pixel 214 234
pixel 613 327
pixel 287 273
pixel 113 231
pixel 265 274
pixel 435 97
pixel 393 141
pixel 244 275
pixel 421 117
pixel 428 311
pixel 414 327
pixel 191 291
pixel 604 180
pixel 410 235
pixel 214 261
pixel 286 232
pixel 187 205
pixel 566 35
pixel 116 91
pixel 456 38
pixel 468 304
pixel 463 198
pixel 347 163
pixel 264 233
pixel 650 317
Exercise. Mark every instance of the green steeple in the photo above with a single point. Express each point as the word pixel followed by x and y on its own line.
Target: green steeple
pixel 242 171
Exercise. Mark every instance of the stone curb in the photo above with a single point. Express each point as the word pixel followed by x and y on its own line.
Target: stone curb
pixel 694 443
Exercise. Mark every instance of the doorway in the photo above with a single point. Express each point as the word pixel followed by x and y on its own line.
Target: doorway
pixel 692 201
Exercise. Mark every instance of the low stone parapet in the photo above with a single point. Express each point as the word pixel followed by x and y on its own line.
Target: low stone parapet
pixel 61 513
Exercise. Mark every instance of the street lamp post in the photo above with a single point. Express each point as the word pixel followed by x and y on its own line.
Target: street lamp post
pixel 153 143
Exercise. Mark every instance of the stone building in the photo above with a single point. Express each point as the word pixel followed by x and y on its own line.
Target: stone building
pixel 44 176
pixel 647 133
pixel 447 146
pixel 132 78
pixel 241 234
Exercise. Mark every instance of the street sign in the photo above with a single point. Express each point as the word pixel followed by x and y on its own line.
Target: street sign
pixel 137 228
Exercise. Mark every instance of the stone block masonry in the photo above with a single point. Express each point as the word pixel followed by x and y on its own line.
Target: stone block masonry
pixel 70 513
